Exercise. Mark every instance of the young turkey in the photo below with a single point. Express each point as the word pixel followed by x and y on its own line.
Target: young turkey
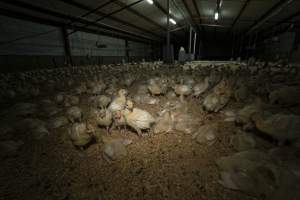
pixel 119 102
pixel 282 127
pixel 200 87
pixel 102 101
pixel 182 90
pixel 81 134
pixel 285 96
pixel 156 87
pixel 137 118
pixel 74 114
pixel 104 118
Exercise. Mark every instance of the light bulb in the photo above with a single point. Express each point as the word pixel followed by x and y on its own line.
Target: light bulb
pixel 216 15
pixel 172 21
pixel 150 1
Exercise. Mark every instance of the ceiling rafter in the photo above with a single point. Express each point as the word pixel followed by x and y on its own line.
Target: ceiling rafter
pixel 190 14
pixel 118 2
pixel 240 14
pixel 157 4
pixel 60 15
pixel 142 16
pixel 98 12
pixel 277 8
pixel 199 15
pixel 45 21
pixel 112 13
pixel 270 31
pixel 286 20
pixel 91 11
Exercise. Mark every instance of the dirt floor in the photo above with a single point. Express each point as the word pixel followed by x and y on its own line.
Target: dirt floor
pixel 162 166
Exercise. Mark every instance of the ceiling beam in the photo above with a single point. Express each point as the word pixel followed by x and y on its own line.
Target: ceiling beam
pixel 63 16
pixel 196 8
pixel 240 14
pixel 190 13
pixel 112 13
pixel 286 20
pixel 277 8
pixel 157 4
pixel 97 12
pixel 214 25
pixel 187 22
pixel 140 15
pixel 50 22
pixel 91 11
pixel 120 3
pixel 270 30
pixel 199 15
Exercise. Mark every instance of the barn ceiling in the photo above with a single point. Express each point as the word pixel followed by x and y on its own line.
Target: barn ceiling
pixel 140 19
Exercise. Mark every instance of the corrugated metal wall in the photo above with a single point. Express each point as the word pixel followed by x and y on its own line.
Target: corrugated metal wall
pixel 86 44
pixel 277 47
pixel 26 38
pixel 27 45
pixel 139 50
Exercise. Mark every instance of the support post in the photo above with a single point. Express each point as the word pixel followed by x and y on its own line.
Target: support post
pixel 67 49
pixel 241 46
pixel 168 51
pixel 233 46
pixel 248 52
pixel 126 50
pixel 195 40
pixel 152 56
pixel 254 45
pixel 190 41
pixel 168 29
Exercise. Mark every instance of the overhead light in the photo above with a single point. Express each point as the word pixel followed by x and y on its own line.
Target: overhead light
pixel 150 1
pixel 172 21
pixel 216 16
pixel 220 4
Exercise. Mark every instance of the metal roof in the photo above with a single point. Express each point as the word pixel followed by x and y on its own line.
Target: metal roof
pixel 140 20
